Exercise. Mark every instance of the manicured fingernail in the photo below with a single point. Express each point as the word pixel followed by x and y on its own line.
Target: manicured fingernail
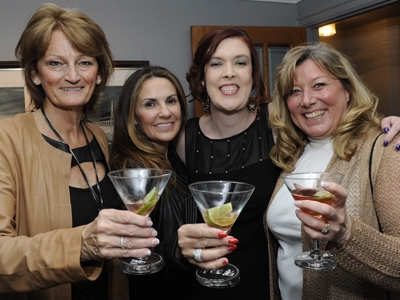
pixel 155 241
pixel 385 143
pixel 231 248
pixel 222 234
pixel 233 241
pixel 386 130
pixel 147 253
pixel 398 147
pixel 325 184
pixel 225 262
pixel 297 203
pixel 154 233
pixel 149 223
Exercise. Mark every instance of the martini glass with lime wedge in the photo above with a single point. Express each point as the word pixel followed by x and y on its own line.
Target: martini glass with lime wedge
pixel 140 190
pixel 307 186
pixel 220 203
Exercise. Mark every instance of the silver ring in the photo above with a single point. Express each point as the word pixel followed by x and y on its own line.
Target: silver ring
pixel 121 242
pixel 197 255
pixel 326 229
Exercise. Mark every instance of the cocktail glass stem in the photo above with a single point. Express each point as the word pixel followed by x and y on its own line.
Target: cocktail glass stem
pixel 315 250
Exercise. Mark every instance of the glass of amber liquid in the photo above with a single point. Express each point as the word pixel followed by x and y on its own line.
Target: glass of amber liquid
pixel 307 186
pixel 140 190
pixel 220 203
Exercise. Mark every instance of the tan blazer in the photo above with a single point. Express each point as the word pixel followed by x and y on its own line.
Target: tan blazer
pixel 39 251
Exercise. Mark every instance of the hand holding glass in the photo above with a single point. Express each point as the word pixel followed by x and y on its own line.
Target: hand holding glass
pixel 220 203
pixel 307 186
pixel 140 190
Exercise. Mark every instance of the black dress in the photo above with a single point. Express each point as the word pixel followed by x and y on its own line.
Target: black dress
pixel 243 157
pixel 84 210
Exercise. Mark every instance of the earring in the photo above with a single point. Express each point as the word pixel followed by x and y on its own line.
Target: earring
pixel 35 81
pixel 251 106
pixel 206 104
pixel 98 81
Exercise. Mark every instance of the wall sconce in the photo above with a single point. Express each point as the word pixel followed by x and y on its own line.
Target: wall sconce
pixel 327 30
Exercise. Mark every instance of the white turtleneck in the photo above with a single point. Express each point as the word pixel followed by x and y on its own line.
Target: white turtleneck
pixel 286 227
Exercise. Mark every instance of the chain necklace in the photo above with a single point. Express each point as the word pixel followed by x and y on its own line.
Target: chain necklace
pixel 97 196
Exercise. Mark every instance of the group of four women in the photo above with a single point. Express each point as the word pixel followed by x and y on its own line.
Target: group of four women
pixel 60 219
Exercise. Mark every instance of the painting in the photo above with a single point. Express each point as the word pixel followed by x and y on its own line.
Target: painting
pixel 15 99
pixel 108 99
pixel 12 89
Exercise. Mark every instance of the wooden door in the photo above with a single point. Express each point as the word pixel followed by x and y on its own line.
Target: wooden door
pixel 264 38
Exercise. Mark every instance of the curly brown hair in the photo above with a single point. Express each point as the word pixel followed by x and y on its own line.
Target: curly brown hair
pixel 206 49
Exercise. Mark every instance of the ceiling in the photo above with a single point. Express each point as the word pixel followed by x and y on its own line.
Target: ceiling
pixel 281 1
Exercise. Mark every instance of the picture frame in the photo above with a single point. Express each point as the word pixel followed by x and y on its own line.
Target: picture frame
pixel 15 99
pixel 108 99
pixel 12 89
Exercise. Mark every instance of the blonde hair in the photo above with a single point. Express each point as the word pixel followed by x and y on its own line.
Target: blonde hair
pixel 360 115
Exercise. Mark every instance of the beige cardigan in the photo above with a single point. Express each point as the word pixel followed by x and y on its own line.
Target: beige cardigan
pixel 369 264
pixel 39 251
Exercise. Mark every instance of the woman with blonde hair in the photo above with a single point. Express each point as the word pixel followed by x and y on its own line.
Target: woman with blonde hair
pixel 327 120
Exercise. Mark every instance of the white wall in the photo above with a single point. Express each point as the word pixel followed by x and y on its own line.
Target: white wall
pixel 153 30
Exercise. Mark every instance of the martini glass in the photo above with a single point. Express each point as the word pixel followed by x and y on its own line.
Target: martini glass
pixel 140 190
pixel 307 186
pixel 220 203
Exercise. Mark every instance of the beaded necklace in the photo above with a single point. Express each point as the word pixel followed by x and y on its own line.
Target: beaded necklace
pixel 97 196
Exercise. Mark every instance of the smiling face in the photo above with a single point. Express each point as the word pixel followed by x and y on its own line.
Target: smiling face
pixel 67 76
pixel 317 101
pixel 158 111
pixel 228 76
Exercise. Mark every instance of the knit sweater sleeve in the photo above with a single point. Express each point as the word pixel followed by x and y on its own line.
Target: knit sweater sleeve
pixel 372 254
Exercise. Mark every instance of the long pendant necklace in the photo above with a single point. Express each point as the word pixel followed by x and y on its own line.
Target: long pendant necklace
pixel 97 197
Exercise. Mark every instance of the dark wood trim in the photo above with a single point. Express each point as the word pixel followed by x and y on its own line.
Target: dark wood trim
pixel 131 63
pixel 10 64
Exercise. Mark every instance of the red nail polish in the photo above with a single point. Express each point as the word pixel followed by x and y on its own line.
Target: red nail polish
pixel 233 241
pixel 231 248
pixel 222 234
pixel 225 262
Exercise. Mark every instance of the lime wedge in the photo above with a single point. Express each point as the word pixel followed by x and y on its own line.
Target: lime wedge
pixel 151 196
pixel 149 202
pixel 323 196
pixel 220 216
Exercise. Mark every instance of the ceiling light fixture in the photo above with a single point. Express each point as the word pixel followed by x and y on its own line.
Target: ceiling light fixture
pixel 327 30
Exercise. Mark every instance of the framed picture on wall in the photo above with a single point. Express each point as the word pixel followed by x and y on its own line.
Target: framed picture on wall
pixel 108 99
pixel 15 99
pixel 12 89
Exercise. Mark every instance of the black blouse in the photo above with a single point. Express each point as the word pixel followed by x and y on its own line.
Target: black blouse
pixel 84 210
pixel 243 157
